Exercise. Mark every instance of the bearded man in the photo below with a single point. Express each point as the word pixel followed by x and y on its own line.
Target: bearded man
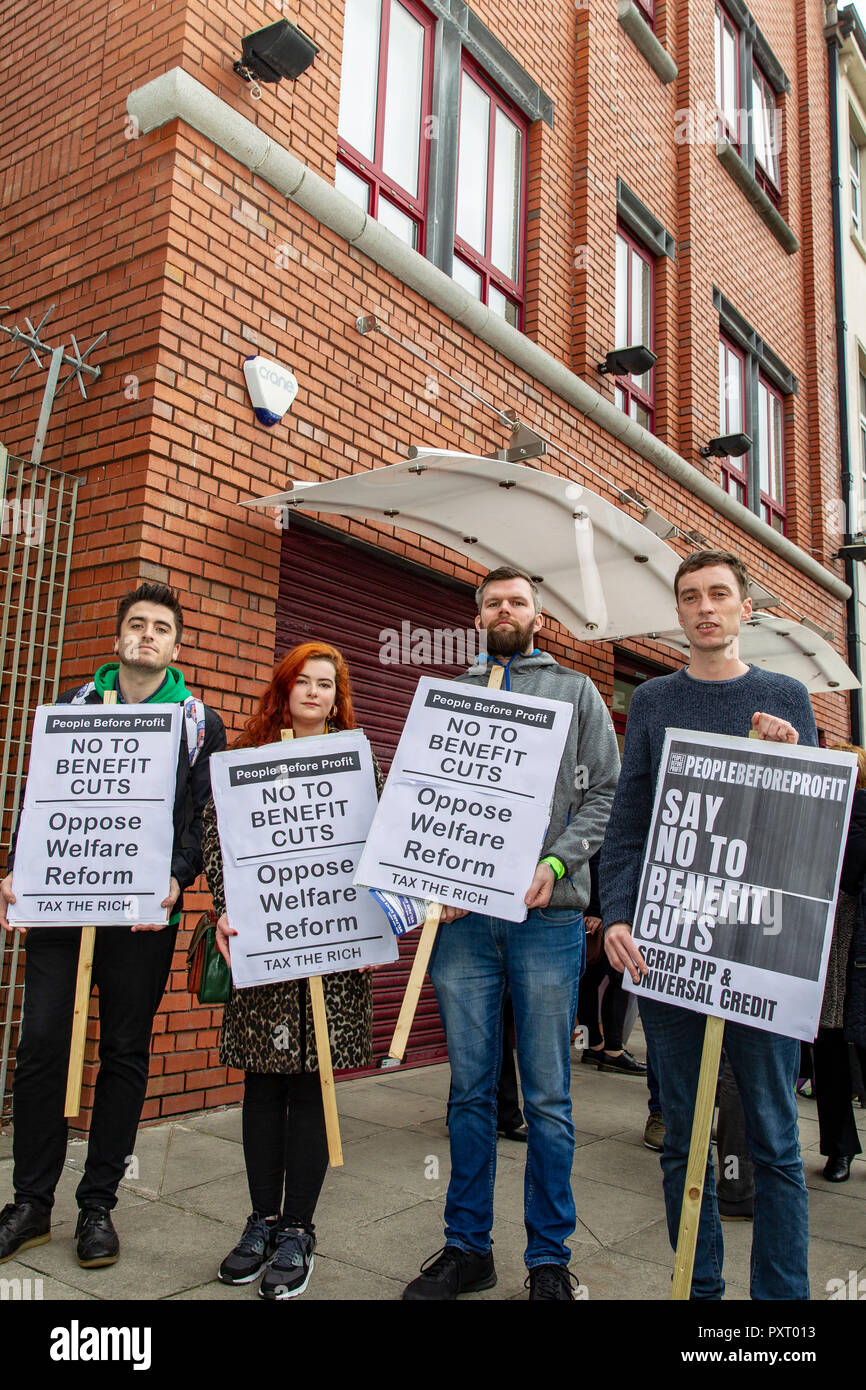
pixel 476 959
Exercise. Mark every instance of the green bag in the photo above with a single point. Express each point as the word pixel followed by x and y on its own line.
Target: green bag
pixel 207 975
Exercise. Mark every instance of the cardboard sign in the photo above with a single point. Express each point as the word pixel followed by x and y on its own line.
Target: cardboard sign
pixel 738 890
pixel 96 834
pixel 292 819
pixel 466 805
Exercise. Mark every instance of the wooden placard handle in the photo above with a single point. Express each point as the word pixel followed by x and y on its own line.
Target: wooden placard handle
pixel 424 949
pixel 699 1148
pixel 323 1052
pixel 81 1009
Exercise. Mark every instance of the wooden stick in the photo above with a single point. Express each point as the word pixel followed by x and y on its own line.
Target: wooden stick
pixel 323 1052
pixel 416 982
pixel 699 1148
pixel 696 1169
pixel 424 949
pixel 81 1008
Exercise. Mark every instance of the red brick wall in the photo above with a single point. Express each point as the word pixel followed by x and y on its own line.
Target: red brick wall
pixel 191 262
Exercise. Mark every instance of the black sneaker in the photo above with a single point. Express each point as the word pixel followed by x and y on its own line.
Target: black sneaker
pixel 251 1254
pixel 450 1272
pixel 550 1282
pixel 623 1063
pixel 23 1224
pixel 97 1239
pixel 288 1272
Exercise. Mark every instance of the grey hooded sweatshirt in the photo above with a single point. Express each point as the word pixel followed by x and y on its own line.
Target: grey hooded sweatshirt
pixel 588 772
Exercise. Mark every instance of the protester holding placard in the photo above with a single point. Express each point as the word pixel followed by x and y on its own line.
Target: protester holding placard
pixel 540 959
pixel 716 693
pixel 130 965
pixel 267 1029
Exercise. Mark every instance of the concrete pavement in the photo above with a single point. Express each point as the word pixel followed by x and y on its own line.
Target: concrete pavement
pixel 380 1215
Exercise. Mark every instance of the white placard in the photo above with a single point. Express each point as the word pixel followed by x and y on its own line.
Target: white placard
pixel 738 889
pixel 465 809
pixel 96 834
pixel 292 819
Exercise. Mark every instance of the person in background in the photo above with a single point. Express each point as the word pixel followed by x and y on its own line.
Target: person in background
pixel 837 1128
pixel 267 1030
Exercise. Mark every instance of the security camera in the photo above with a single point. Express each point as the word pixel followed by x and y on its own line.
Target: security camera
pixel 272 389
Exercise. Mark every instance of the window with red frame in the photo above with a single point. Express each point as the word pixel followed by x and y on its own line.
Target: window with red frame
pixel 491 196
pixel 384 123
pixel 635 284
pixel 732 415
pixel 771 454
pixel 647 9
pixel 766 128
pixel 728 76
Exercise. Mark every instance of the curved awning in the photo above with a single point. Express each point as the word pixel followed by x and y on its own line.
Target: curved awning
pixel 788 647
pixel 603 575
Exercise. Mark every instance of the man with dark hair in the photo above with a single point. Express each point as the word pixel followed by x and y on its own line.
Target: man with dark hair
pixel 540 960
pixel 716 693
pixel 130 966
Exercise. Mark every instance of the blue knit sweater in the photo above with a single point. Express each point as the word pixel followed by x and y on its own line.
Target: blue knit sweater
pixel 681 702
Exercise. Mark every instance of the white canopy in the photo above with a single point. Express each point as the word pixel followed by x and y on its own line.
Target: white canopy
pixel 788 647
pixel 603 574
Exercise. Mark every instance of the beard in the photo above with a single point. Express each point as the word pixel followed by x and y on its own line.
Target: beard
pixel 506 641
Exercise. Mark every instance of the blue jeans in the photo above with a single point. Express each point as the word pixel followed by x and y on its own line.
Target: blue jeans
pixel 765 1066
pixel 540 961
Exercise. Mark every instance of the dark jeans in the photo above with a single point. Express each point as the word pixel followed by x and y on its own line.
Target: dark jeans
pixel 836 1124
pixel 285 1144
pixel 130 969
pixel 614 1003
pixel 735 1186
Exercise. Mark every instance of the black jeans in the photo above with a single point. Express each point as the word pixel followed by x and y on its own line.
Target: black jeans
pixel 130 969
pixel 614 1003
pixel 285 1144
pixel 837 1127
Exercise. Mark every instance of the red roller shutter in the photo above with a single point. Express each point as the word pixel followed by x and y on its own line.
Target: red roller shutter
pixel 349 595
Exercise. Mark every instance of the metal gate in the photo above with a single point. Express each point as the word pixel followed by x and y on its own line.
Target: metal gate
pixel 36 532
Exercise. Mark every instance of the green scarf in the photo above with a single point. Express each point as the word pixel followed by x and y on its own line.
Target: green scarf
pixel 173 691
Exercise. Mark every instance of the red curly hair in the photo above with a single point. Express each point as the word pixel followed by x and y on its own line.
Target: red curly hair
pixel 273 715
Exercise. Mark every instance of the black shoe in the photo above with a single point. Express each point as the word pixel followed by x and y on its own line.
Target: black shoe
pixel 251 1253
pixel 97 1239
pixel 837 1169
pixel 624 1063
pixel 288 1272
pixel 592 1056
pixel 450 1272
pixel 23 1224
pixel 734 1211
pixel 550 1282
pixel 519 1133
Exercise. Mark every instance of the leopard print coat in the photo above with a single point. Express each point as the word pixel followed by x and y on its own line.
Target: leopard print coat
pixel 262 1028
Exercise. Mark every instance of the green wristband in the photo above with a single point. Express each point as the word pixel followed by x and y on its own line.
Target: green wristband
pixel 556 865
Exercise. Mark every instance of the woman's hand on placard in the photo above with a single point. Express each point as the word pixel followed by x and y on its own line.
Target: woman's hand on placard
pixel 223 935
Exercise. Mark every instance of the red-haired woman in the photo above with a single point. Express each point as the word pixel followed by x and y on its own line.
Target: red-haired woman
pixel 267 1030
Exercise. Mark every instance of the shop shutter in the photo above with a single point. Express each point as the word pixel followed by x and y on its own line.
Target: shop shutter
pixel 349 596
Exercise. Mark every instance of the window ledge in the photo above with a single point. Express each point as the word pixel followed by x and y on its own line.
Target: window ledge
pixel 757 197
pixel 858 241
pixel 643 38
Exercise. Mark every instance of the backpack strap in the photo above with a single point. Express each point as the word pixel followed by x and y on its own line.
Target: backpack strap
pixel 193 718
pixel 80 697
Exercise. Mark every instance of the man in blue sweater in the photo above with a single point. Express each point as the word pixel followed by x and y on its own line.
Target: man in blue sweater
pixel 715 693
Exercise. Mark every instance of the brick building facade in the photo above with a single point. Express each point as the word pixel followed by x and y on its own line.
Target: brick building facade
pixel 199 226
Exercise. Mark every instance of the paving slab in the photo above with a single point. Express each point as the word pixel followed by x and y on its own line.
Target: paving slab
pixel 163 1251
